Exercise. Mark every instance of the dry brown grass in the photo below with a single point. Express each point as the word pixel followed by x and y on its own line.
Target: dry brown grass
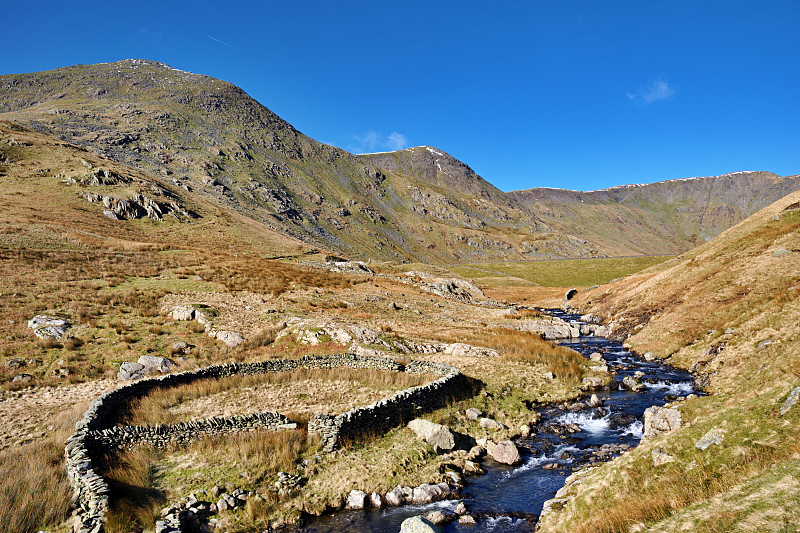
pixel 523 314
pixel 647 500
pixel 155 408
pixel 135 502
pixel 34 491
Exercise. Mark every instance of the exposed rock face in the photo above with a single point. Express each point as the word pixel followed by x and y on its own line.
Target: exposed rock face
pixel 658 420
pixel 51 327
pixel 437 435
pixel 455 288
pixel 505 452
pixel 459 349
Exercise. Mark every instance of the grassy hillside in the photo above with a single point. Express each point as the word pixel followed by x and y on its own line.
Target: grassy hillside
pixel 729 311
pixel 666 217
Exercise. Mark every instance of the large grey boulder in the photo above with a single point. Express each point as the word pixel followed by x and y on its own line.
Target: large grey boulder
pixel 505 452
pixel 658 420
pixel 417 524
pixel 231 339
pixel 128 371
pixel 398 496
pixel 427 493
pixel 437 435
pixel 183 312
pixel 45 326
pixel 162 364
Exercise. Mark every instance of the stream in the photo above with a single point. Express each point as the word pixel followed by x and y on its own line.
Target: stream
pixel 509 498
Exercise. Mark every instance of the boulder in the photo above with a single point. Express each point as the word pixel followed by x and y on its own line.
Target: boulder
pixel 594 401
pixel 398 496
pixel 427 493
pixel 597 357
pixel 437 435
pixel 162 364
pixel 183 312
pixel 466 520
pixel 417 524
pixel 592 383
pixel 357 499
pixel 439 517
pixel 505 452
pixel 376 500
pixel 129 370
pixel 459 349
pixel 488 423
pixel 231 339
pixel 48 327
pixel 633 384
pixel 461 508
pixel 22 378
pixel 473 413
pixel 658 420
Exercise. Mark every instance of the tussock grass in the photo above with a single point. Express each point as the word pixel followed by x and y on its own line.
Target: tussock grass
pixel 523 314
pixel 135 501
pixel 34 491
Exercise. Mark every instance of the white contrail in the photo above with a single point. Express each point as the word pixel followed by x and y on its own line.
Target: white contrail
pixel 220 42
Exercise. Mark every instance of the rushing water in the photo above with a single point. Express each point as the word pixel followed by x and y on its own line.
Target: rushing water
pixel 506 497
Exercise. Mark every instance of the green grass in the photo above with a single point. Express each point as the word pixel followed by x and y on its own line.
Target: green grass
pixel 565 272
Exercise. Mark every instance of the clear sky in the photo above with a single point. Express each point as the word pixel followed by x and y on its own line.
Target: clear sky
pixel 573 94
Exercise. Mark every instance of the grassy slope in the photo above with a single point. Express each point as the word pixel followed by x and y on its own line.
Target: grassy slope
pixel 709 309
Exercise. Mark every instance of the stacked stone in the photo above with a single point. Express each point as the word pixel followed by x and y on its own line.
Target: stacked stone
pixel 183 432
pixel 96 432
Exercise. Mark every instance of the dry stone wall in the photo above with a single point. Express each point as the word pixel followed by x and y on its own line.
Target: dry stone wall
pixel 98 431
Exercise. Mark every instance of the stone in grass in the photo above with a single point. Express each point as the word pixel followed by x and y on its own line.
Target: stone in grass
pixel 129 371
pixel 714 436
pixel 790 401
pixel 48 327
pixel 660 457
pixel 162 364
pixel 488 423
pixel 473 413
pixel 417 524
pixel 437 435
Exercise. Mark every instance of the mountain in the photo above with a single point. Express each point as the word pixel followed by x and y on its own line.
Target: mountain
pixel 727 311
pixel 668 217
pixel 209 138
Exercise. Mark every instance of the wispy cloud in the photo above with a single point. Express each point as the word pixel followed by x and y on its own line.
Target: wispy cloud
pixel 375 141
pixel 220 42
pixel 655 91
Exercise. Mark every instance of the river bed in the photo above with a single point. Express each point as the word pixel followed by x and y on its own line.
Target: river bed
pixel 509 498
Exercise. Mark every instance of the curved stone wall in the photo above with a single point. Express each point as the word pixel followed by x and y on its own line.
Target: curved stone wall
pixel 98 432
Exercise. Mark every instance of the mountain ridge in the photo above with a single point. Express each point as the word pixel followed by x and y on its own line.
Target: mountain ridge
pixel 418 204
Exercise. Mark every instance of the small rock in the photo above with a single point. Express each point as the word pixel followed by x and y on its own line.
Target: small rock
pixel 729 331
pixel 231 339
pixel 594 401
pixel 466 520
pixel 396 496
pixel 22 378
pixel 787 405
pixel 660 457
pixel 713 436
pixel 473 413
pixel 524 430
pixel 633 384
pixel 180 346
pixel 648 356
pixel 439 517
pixel 763 344
pixel 505 452
pixel 596 356
pixel 130 370
pixel 461 508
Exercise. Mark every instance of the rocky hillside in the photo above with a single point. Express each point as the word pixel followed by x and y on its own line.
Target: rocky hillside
pixel 728 311
pixel 209 137
pixel 659 218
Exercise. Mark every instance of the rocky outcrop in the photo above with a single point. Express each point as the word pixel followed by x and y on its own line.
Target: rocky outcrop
pixel 45 326
pixel 658 420
pixel 138 206
pixel 147 365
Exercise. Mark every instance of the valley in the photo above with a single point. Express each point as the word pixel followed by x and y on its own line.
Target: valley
pixel 155 224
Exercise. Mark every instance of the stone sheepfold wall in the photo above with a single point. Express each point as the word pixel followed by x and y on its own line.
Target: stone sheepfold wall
pixel 97 432
pixel 390 412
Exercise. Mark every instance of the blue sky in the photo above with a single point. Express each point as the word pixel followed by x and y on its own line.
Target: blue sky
pixel 573 94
